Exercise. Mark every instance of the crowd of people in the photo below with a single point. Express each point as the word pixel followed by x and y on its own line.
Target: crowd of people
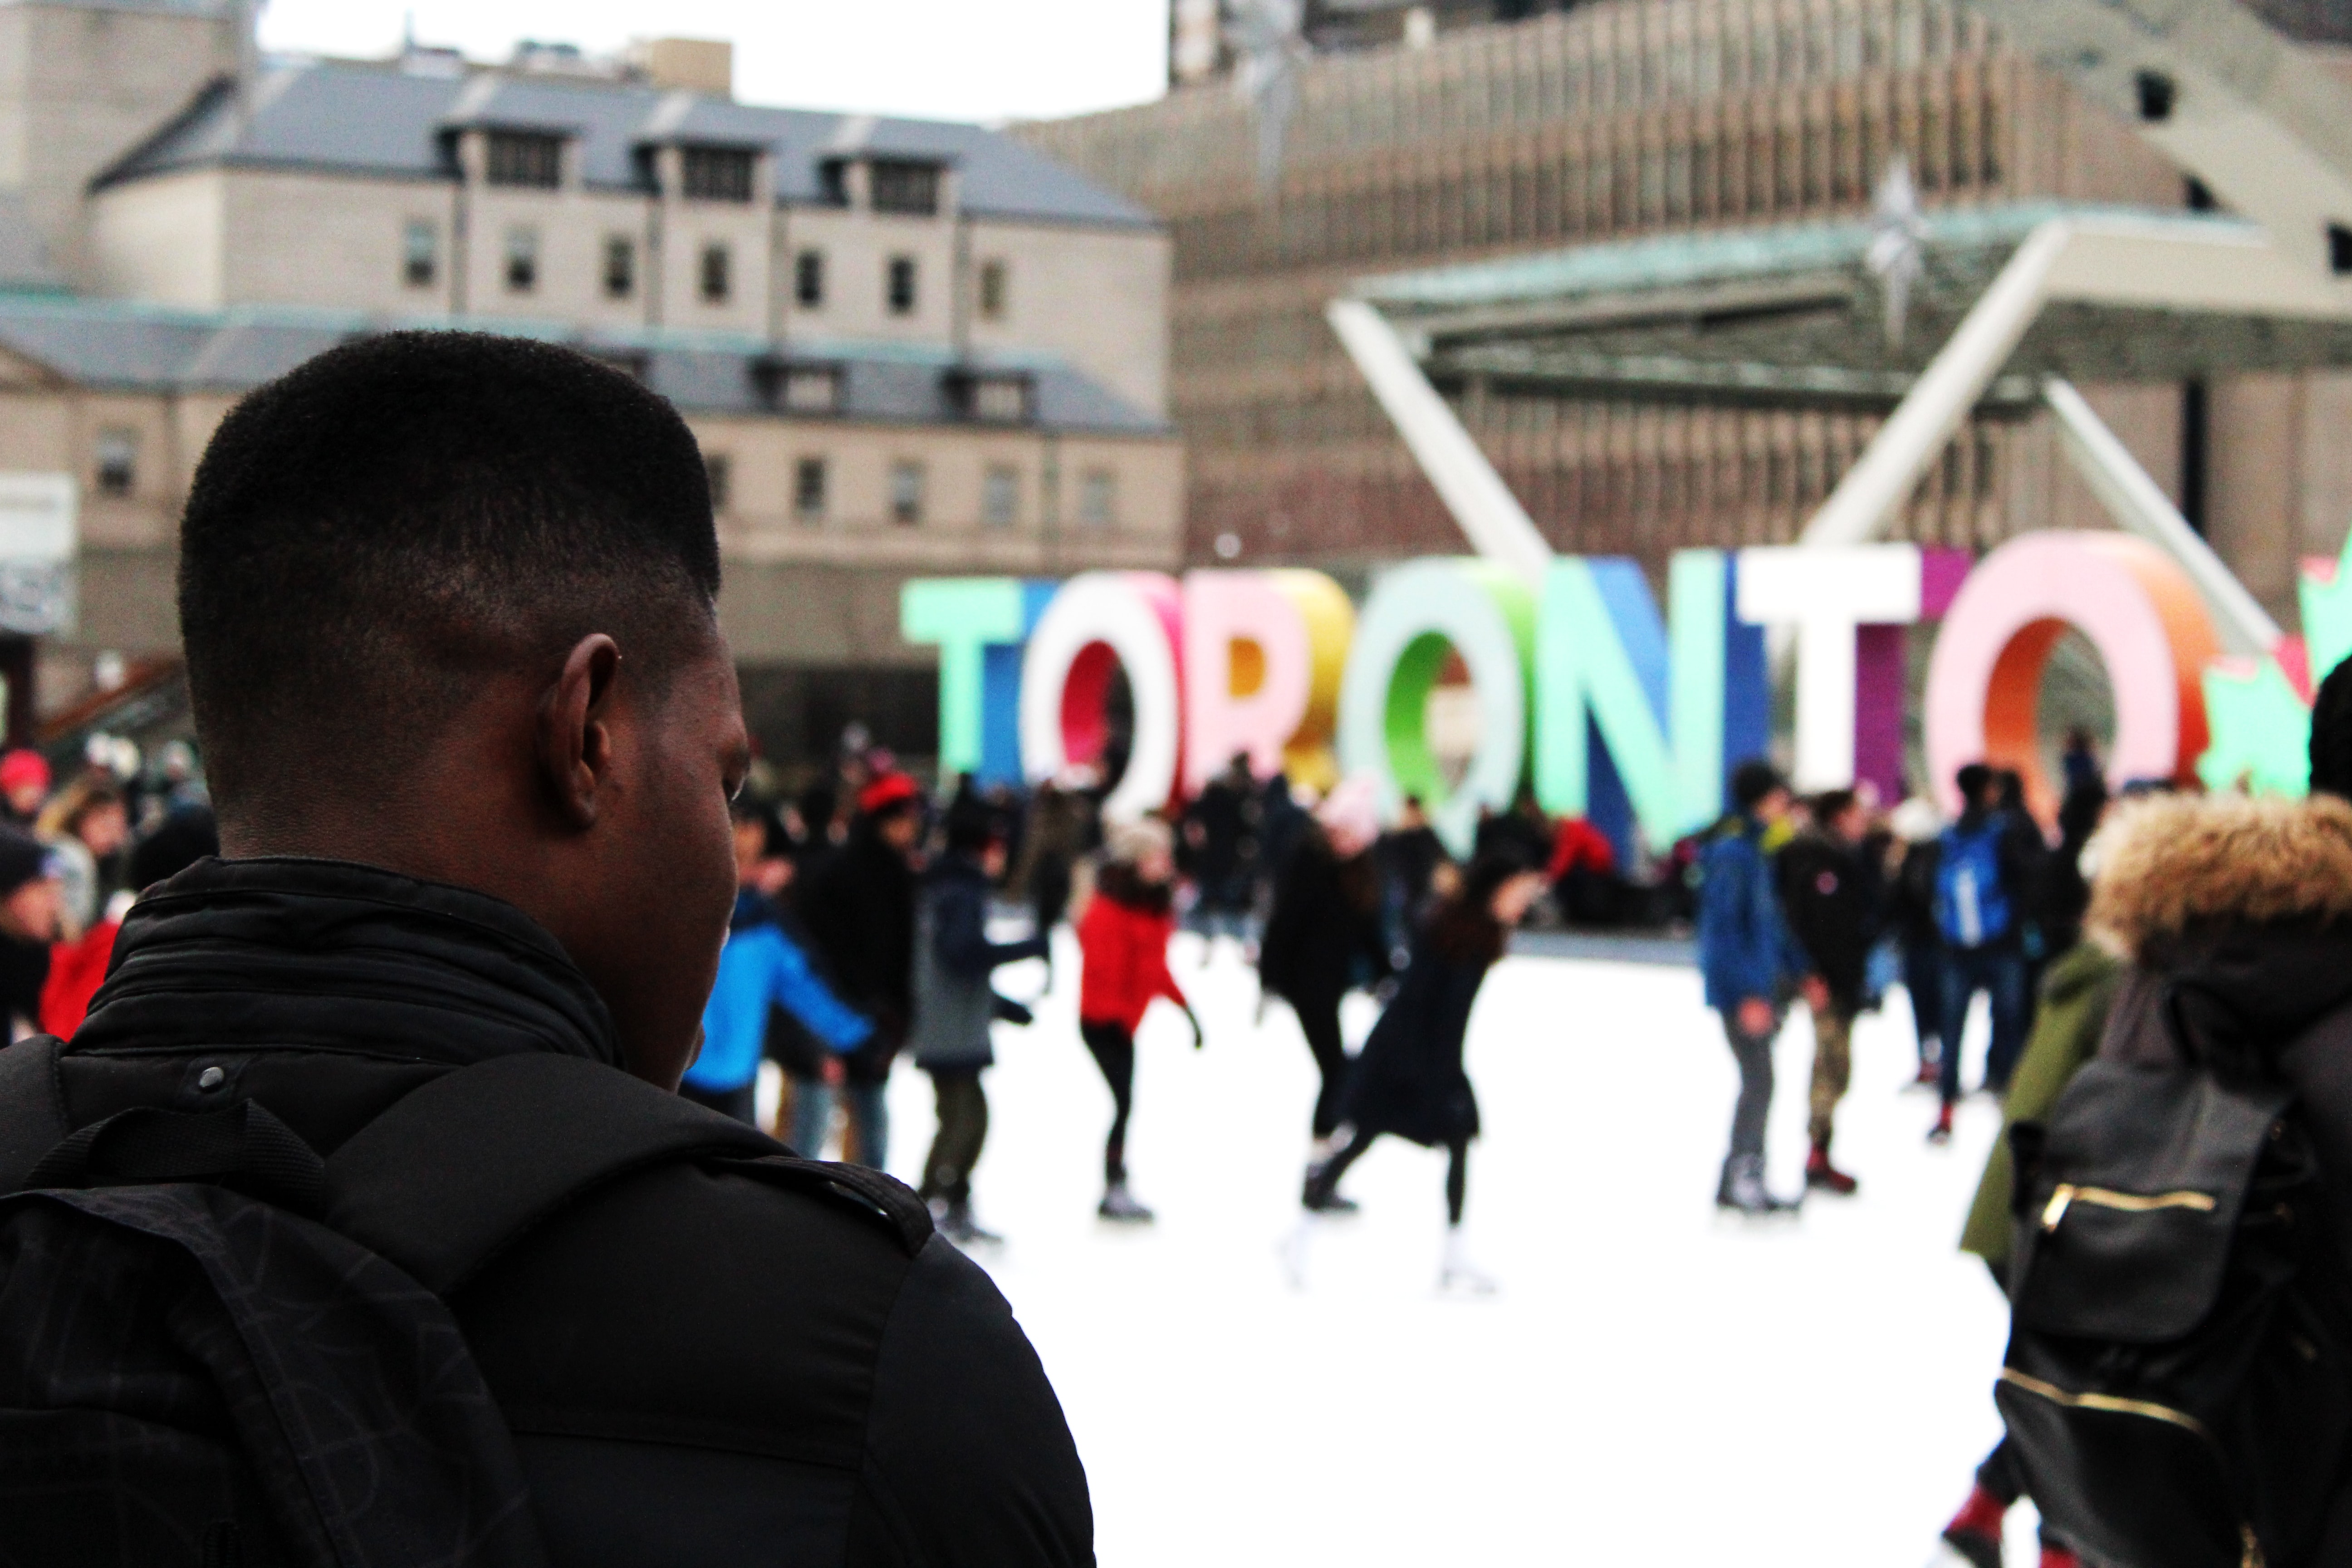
pixel 73 849
pixel 862 930
pixel 1831 900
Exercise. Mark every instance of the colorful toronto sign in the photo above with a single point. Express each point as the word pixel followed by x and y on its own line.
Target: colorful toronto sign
pixel 1608 708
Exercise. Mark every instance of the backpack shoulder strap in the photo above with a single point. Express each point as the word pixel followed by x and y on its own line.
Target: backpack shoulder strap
pixel 32 1114
pixel 452 1173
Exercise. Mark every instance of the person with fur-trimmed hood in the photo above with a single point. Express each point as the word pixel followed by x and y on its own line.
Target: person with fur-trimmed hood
pixel 2234 916
pixel 1123 948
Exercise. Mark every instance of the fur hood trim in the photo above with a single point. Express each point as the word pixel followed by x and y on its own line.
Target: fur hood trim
pixel 2170 865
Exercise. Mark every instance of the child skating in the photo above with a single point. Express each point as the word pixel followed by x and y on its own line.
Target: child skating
pixel 1123 949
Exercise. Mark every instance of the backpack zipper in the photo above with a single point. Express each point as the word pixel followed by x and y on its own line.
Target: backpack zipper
pixel 2066 1194
pixel 2250 1544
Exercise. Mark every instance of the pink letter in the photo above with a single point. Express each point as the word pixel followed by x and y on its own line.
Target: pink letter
pixel 1248 672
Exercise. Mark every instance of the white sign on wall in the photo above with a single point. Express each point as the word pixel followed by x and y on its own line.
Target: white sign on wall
pixel 39 539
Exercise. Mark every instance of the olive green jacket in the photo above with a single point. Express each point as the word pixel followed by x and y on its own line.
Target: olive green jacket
pixel 2076 991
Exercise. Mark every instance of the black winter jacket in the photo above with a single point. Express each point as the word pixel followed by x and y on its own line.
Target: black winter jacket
pixel 697 1366
pixel 1324 936
pixel 859 905
pixel 1828 891
pixel 1409 1079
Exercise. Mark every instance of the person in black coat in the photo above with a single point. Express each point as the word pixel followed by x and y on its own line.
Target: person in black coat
pixel 1830 892
pixel 449 604
pixel 1324 937
pixel 859 905
pixel 1410 1080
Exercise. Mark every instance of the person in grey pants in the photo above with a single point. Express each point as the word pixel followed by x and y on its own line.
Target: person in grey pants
pixel 954 1005
pixel 1750 963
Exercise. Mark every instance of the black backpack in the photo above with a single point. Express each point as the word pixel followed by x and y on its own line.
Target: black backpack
pixel 217 1349
pixel 2178 1383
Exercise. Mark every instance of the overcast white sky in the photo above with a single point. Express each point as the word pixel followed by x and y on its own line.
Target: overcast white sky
pixel 946 59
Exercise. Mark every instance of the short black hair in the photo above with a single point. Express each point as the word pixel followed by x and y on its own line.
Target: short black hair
pixel 2331 734
pixel 1751 781
pixel 373 532
pixel 1832 803
pixel 1972 781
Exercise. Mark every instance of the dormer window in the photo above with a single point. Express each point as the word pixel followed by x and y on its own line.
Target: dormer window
pixel 992 399
pixel 798 388
pixel 719 173
pixel 526 158
pixel 903 186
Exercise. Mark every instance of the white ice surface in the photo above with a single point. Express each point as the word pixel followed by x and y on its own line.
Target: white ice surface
pixel 1652 1385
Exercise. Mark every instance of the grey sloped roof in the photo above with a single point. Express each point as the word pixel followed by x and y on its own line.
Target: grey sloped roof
pixel 125 345
pixel 376 120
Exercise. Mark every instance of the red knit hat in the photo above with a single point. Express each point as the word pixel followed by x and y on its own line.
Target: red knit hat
pixel 23 766
pixel 888 792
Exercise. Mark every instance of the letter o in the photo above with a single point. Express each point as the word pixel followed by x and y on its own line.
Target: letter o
pixel 1414 613
pixel 1134 618
pixel 2138 609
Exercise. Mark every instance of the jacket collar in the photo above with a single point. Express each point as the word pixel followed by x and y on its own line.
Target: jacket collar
pixel 331 955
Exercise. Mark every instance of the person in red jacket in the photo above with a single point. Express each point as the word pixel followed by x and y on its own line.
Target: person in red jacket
pixel 1123 944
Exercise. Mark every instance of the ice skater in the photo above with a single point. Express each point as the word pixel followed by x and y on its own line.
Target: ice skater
pixel 1123 957
pixel 1751 963
pixel 1409 1079
pixel 1326 937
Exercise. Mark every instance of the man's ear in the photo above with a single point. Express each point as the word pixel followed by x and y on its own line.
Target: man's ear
pixel 575 733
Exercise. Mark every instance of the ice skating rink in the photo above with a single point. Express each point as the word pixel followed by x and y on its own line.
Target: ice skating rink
pixel 1652 1385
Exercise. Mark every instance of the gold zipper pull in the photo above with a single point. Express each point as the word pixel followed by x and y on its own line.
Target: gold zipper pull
pixel 2060 1197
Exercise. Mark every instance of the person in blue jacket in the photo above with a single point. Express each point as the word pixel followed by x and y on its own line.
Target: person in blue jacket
pixel 1750 963
pixel 761 967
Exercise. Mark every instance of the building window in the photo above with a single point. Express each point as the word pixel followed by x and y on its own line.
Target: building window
pixel 620 267
pixel 420 253
pixel 995 288
pixel 118 460
pixel 526 158
pixel 999 497
pixel 808 278
pixel 722 476
pixel 997 399
pixel 906 493
pixel 903 187
pixel 522 260
pixel 1099 498
pixel 809 489
pixel 901 286
pixel 719 173
pixel 716 282
pixel 813 389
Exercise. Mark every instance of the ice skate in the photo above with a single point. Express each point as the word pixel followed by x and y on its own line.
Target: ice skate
pixel 1457 1275
pixel 1744 1191
pixel 1975 1531
pixel 1941 1133
pixel 1825 1177
pixel 958 1225
pixel 1318 1196
pixel 1120 1207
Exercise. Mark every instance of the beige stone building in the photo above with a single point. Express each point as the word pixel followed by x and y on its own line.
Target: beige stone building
pixel 908 347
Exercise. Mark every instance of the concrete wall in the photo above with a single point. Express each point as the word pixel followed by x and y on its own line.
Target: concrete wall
pixel 857 246
pixel 79 87
pixel 1045 535
pixel 162 239
pixel 1097 297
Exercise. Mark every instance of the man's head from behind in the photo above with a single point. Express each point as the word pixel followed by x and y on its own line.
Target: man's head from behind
pixel 448 606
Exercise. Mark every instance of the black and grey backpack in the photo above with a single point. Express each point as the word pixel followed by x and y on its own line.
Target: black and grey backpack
pixel 219 1351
